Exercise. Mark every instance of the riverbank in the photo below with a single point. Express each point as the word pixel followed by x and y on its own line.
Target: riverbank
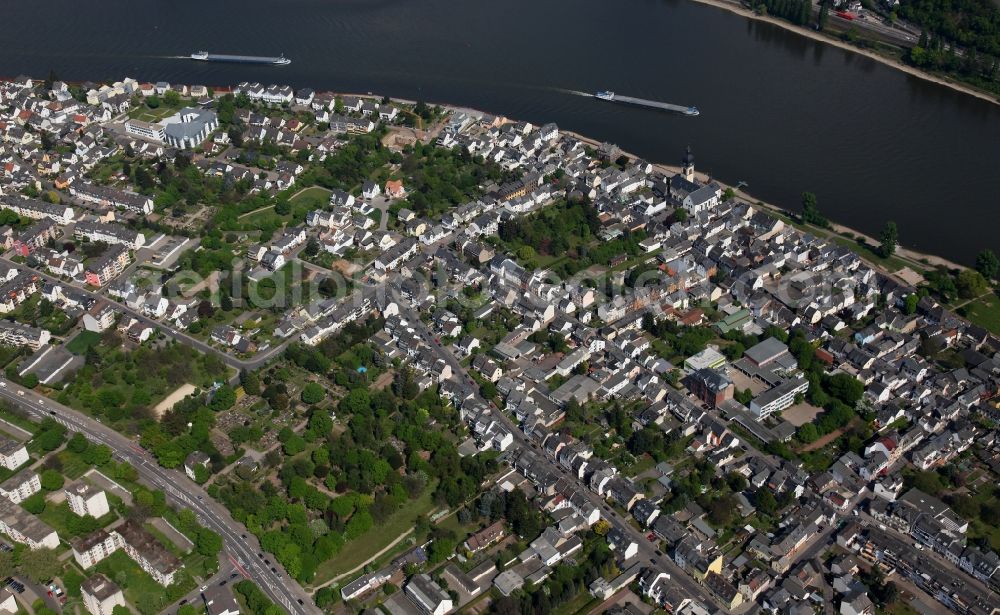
pixel 739 9
pixel 918 259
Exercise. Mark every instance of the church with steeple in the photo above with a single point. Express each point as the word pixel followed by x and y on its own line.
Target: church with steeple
pixel 687 165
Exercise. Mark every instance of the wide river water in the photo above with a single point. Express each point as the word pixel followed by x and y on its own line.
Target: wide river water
pixel 778 111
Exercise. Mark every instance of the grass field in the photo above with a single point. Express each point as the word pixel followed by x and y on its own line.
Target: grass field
pixel 315 197
pixel 72 466
pixel 582 603
pixel 363 548
pixel 65 522
pixel 83 341
pixel 140 589
pixel 985 312
pixel 311 198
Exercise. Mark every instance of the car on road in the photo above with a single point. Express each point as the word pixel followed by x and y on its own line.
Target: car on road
pixel 3 385
pixel 183 602
pixel 20 393
pixel 651 537
pixel 234 575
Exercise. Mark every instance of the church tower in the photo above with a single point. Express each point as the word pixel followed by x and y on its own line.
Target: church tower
pixel 687 165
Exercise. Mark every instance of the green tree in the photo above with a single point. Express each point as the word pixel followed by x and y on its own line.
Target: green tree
pixel 78 443
pixel 824 15
pixel 52 480
pixel 988 264
pixel 39 565
pixel 172 98
pixel 34 504
pixel 910 303
pixel 971 283
pixel 251 383
pixel 810 211
pixel 208 543
pixel 764 501
pixel 808 433
pixel 313 393
pixel 889 239
pixel 223 398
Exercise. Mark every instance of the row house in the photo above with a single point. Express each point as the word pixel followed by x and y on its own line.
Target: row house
pixel 113 234
pixel 106 196
pixel 38 210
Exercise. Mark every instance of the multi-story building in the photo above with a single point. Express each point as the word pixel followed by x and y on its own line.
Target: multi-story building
pixel 112 197
pixel 710 386
pixel 35 237
pixel 85 499
pixel 17 334
pixel 428 596
pixel 188 128
pixel 37 210
pixel 23 527
pixel 99 317
pixel 91 549
pixel 147 130
pixel 100 595
pixel 109 265
pixel 16 290
pixel 778 397
pixel 21 486
pixel 13 454
pixel 147 551
pixel 114 234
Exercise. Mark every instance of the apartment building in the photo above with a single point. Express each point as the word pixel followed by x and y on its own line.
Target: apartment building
pixel 106 267
pixel 85 499
pixel 100 595
pixel 17 334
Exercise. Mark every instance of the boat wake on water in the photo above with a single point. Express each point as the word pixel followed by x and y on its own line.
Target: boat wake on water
pixel 574 92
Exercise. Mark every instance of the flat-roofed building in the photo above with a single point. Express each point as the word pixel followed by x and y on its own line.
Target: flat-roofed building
pixel 23 527
pixel 21 486
pixel 101 595
pixel 778 398
pixel 147 551
pixel 13 454
pixel 94 547
pixel 87 500
pixel 428 595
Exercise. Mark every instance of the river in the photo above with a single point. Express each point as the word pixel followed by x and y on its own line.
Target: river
pixel 781 112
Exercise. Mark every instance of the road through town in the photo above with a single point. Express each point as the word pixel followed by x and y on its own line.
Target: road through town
pixel 181 492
